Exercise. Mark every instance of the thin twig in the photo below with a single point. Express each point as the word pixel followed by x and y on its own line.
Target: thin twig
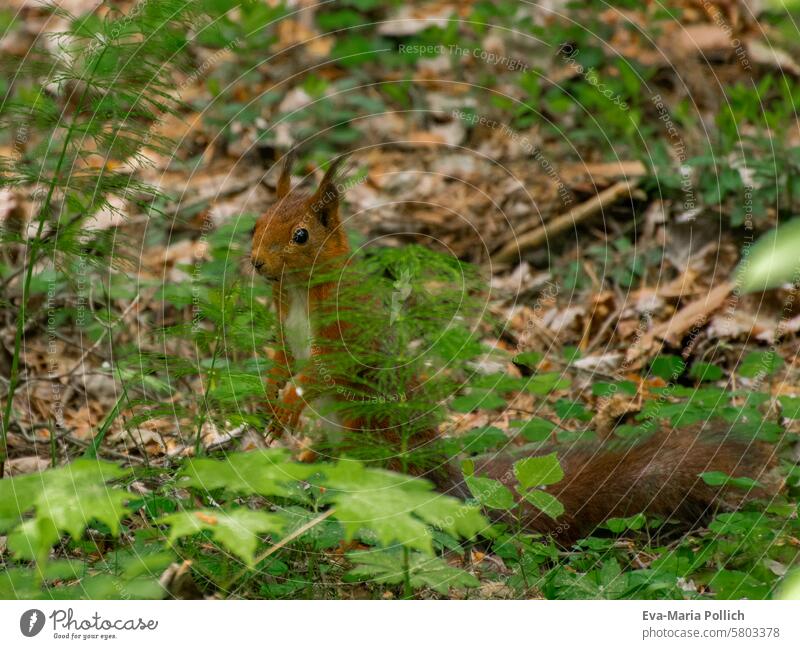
pixel 280 544
pixel 106 452
pixel 562 222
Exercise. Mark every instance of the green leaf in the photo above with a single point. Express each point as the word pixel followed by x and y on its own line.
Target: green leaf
pixel 568 409
pixel 668 367
pixel 705 372
pixel 321 535
pixel 734 584
pixel 477 398
pixel 790 586
pixel 759 364
pixel 790 407
pixel 542 384
pixel 267 472
pixel 490 493
pixel 457 343
pixel 545 502
pixel 604 389
pixel 721 479
pixel 396 507
pixel 109 587
pixel 355 49
pixel 237 530
pixel 480 440
pixel 344 18
pixel 386 567
pixel 528 359
pixel 537 471
pixel 63 499
pixel 772 261
pixel 619 525
pixel 535 429
pixel 607 583
pixel 19 583
pixel 631 431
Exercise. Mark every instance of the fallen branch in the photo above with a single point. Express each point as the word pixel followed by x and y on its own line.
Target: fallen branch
pixel 688 320
pixel 539 235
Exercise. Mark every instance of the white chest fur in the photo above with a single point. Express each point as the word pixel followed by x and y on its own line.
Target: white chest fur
pixel 297 326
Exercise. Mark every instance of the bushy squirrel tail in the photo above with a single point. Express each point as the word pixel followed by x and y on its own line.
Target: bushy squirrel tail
pixel 659 476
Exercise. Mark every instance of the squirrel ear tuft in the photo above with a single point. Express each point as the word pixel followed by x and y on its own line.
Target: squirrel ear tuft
pixel 285 181
pixel 325 202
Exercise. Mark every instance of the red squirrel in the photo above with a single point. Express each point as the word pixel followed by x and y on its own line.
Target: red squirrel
pixel 303 232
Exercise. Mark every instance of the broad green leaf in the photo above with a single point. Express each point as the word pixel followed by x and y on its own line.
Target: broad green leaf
pixel 528 359
pixel 790 407
pixel 760 364
pixel 569 409
pixel 65 499
pixel 267 472
pixel 721 479
pixel 668 367
pixel 772 261
pixel 705 372
pixel 545 502
pixel 498 382
pixel 105 586
pixel 734 584
pixel 386 567
pixel 618 525
pixel 631 431
pixel 64 569
pixel 790 587
pixel 480 440
pixel 477 398
pixel 605 389
pixel 546 382
pixel 736 523
pixel 395 507
pixel 321 535
pixel 490 493
pixel 535 429
pixel 457 343
pixel 237 530
pixel 607 583
pixel 537 471
pixel 33 539
pixel 19 583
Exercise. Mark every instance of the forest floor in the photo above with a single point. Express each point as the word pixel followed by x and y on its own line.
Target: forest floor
pixel 607 180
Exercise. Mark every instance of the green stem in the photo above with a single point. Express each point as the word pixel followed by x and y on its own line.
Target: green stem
pixel 33 252
pixel 91 450
pixel 408 593
pixel 310 573
pixel 522 548
pixel 204 406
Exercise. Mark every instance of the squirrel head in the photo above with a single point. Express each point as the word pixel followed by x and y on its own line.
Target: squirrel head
pixel 301 231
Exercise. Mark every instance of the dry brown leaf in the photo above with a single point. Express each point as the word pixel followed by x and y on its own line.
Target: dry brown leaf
pixel 24 465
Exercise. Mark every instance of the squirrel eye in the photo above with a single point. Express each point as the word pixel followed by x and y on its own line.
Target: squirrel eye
pixel 300 236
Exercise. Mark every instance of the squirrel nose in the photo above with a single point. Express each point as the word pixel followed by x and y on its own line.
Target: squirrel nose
pixel 257 264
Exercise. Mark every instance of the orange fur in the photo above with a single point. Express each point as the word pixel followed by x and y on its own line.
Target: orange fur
pixel 289 266
pixel 659 476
